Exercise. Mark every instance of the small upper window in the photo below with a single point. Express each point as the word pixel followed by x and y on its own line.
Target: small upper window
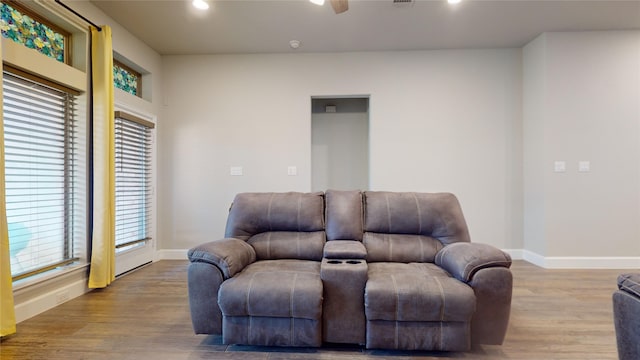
pixel 27 28
pixel 127 79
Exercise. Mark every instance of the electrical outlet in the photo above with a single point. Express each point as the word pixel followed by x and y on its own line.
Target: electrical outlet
pixel 62 296
pixel 584 166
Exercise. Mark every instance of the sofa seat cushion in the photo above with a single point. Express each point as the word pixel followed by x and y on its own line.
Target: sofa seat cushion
pixel 274 288
pixel 630 283
pixel 416 292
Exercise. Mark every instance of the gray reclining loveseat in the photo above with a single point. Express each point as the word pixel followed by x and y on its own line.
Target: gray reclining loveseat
pixel 626 316
pixel 388 270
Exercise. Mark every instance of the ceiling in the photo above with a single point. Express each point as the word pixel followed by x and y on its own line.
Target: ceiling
pixel 267 26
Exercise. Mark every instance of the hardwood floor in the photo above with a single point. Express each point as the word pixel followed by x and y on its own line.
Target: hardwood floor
pixel 556 314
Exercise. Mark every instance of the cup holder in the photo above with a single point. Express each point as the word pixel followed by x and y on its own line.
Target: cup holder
pixel 344 261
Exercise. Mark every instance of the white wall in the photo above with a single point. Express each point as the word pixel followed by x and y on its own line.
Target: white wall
pixel 439 121
pixel 582 102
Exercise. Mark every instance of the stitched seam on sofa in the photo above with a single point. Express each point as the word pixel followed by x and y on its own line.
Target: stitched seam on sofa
pixel 248 296
pixel 291 310
pixel 629 279
pixel 395 291
pixel 397 334
pixel 390 241
pixel 386 197
pixel 226 267
pixel 442 298
pixel 314 272
pixel 362 215
pixel 419 213
pixel 299 207
pixel 421 248
pixel 298 245
pixel 269 245
pixel 442 310
pixel 441 255
pixel 292 330
pixel 292 295
pixel 269 212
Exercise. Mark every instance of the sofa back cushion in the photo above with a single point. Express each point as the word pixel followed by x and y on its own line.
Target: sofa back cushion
pixel 279 225
pixel 344 215
pixel 430 217
pixel 273 245
pixel 401 247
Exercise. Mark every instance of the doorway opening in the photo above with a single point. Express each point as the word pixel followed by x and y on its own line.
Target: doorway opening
pixel 339 143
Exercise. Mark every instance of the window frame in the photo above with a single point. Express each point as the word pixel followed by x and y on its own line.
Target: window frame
pixel 35 16
pixel 134 72
pixel 70 153
pixel 147 169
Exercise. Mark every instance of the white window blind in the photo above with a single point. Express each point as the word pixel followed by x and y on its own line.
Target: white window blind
pixel 40 165
pixel 133 140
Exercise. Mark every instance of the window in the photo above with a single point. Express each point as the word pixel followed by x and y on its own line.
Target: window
pixel 127 79
pixel 133 180
pixel 40 166
pixel 27 28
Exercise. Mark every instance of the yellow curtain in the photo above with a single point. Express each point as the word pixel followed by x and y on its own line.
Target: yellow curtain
pixel 102 271
pixel 7 313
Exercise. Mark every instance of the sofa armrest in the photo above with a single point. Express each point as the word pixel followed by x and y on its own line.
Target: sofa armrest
pixel 630 283
pixel 229 255
pixel 463 260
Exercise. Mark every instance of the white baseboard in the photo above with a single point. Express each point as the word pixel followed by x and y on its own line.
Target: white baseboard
pixel 533 258
pixel 171 254
pixel 582 262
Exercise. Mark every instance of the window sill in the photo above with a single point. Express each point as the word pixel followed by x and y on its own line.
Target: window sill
pixel 56 274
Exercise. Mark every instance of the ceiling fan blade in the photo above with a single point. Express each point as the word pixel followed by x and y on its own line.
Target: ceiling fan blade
pixel 340 6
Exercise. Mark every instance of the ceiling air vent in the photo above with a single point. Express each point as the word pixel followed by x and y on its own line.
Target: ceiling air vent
pixel 403 3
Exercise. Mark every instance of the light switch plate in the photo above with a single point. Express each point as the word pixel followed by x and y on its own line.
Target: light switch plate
pixel 235 171
pixel 292 170
pixel 559 166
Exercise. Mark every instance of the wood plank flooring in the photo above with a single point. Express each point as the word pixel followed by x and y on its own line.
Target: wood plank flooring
pixel 556 314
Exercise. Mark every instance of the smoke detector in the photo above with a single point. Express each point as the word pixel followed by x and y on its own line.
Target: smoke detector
pixel 294 44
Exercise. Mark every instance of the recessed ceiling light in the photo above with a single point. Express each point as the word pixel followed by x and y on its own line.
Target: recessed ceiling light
pixel 200 4
pixel 453 1
pixel 317 2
